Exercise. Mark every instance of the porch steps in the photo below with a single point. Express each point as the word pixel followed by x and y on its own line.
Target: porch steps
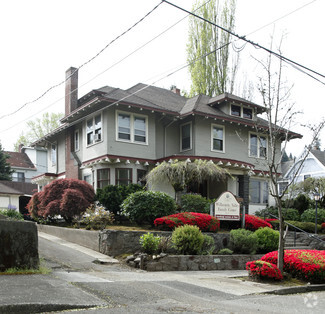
pixel 291 244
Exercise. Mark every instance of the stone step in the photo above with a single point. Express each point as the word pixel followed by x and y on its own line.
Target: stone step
pixel 297 248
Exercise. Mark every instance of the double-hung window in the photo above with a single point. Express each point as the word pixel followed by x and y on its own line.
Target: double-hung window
pixel 257 146
pixel 186 136
pixel 241 111
pixel 258 191
pixel 218 138
pixel 132 128
pixel 123 176
pixel 53 154
pixel 103 178
pixel 94 129
pixel 76 140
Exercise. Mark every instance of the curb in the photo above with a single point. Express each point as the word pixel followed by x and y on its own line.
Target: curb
pixel 40 307
pixel 298 289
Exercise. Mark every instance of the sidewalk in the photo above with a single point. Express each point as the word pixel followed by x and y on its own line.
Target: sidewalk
pixel 59 291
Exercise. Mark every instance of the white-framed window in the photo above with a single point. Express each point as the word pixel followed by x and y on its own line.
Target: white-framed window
pixel 257 145
pixel 103 178
pixel 76 140
pixel 186 136
pixel 123 176
pixel 94 129
pixel 88 179
pixel 20 176
pixel 53 154
pixel 217 138
pixel 131 127
pixel 241 111
pixel 258 191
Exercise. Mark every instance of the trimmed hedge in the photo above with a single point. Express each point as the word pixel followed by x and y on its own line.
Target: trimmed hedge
pixel 306 226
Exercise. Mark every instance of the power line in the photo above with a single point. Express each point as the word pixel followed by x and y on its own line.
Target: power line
pixel 85 63
pixel 110 67
pixel 256 45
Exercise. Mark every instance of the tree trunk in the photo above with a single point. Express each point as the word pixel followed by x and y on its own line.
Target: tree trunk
pixel 281 240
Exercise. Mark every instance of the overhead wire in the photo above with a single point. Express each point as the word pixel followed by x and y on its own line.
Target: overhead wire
pixel 171 73
pixel 82 65
pixel 109 68
pixel 250 42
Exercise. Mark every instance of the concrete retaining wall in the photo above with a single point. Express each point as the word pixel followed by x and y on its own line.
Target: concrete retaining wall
pixel 200 262
pixel 86 238
pixel 18 244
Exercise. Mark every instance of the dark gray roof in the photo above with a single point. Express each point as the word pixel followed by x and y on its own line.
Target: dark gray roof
pixel 163 98
pixel 4 189
pixel 320 155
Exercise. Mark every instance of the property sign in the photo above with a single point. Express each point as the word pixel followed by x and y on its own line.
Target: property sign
pixel 226 207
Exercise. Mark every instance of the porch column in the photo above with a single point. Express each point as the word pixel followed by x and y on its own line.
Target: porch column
pixel 243 181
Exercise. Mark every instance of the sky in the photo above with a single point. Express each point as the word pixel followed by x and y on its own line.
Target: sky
pixel 41 39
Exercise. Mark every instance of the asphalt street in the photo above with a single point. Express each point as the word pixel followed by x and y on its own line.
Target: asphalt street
pixel 85 281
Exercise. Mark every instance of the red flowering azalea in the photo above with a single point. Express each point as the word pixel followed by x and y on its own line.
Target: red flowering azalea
pixel 305 264
pixel 204 221
pixel 323 227
pixel 253 223
pixel 263 270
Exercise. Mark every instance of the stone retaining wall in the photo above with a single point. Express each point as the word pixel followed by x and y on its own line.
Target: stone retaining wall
pixel 18 245
pixel 200 262
pixel 116 242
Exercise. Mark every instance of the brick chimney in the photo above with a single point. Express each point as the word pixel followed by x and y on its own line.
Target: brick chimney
pixel 71 90
pixel 175 90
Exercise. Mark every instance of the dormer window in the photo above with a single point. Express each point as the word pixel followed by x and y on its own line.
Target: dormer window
pixel 240 111
pixel 235 110
pixel 247 113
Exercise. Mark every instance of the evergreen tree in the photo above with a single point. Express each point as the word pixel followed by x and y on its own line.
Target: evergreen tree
pixel 5 169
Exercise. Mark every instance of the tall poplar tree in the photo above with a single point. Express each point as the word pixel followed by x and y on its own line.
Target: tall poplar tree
pixel 5 169
pixel 212 73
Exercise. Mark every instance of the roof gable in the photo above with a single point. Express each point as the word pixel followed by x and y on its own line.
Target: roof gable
pixel 19 160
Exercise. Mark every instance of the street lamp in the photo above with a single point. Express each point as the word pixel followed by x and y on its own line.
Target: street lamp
pixel 316 198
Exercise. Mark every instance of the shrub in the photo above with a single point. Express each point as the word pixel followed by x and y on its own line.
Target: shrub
pixel 263 270
pixel 267 212
pixel 195 203
pixel 267 239
pixel 291 214
pixel 112 196
pixel 145 206
pixel 225 251
pixel 306 226
pixel 308 265
pixel 204 221
pixel 96 217
pixel 12 214
pixel 243 241
pixel 302 203
pixel 309 215
pixel 208 245
pixel 323 227
pixel 149 243
pixel 253 223
pixel 188 240
pixel 65 197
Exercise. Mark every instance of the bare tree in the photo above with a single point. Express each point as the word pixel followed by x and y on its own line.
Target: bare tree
pixel 280 119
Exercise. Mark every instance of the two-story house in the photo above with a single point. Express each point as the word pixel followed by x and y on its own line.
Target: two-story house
pixel 115 136
pixel 304 167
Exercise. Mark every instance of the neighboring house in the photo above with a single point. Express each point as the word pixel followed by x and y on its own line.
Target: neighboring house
pixel 9 197
pixel 26 164
pixel 115 136
pixel 313 166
